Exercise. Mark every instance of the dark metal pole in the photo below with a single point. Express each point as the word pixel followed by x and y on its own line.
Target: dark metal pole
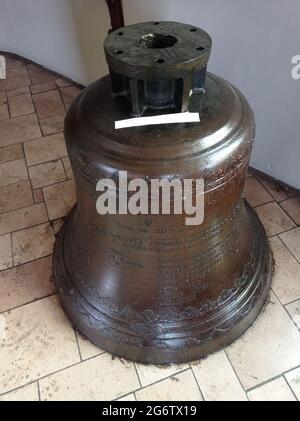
pixel 116 14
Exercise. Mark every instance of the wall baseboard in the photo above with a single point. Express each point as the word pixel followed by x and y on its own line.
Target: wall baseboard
pixel 28 61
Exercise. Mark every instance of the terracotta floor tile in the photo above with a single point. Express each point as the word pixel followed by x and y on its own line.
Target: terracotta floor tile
pixel 19 129
pixel 294 311
pixel 269 348
pixel 60 199
pixel 276 390
pixel 23 218
pixel 53 125
pixel 16 71
pixel 39 74
pixel 45 149
pixel 43 87
pixel 48 104
pixel 286 278
pixel 13 61
pixel 17 92
pixel 149 374
pixel 13 172
pixel 42 175
pixel 292 240
pixel 292 208
pixel 57 224
pixel 87 349
pixel 293 378
pixel 274 219
pixel 276 191
pixel 28 393
pixel 69 93
pixel 38 196
pixel 15 196
pixel 4 115
pixel 98 379
pixel 68 168
pixel 11 153
pixel 255 193
pixel 182 387
pixel 21 105
pixel 61 83
pixel 14 83
pixel 32 243
pixel 223 385
pixel 34 68
pixel 37 340
pixel 26 283
pixel 5 252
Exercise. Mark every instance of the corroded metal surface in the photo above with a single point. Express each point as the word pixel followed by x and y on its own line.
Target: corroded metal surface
pixel 148 287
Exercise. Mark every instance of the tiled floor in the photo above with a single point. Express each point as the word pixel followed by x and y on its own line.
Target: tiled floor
pixel 41 357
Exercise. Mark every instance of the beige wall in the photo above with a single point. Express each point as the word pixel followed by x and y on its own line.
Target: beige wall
pixel 63 35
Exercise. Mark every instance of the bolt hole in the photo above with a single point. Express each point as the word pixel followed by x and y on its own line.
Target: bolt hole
pixel 156 23
pixel 160 60
pixel 119 52
pixel 200 48
pixel 154 40
pixel 193 30
pixel 120 33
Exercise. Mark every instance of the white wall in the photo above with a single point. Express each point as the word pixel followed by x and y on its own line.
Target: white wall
pixel 63 35
pixel 253 43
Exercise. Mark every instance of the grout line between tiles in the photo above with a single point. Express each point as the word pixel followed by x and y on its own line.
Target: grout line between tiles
pixel 63 101
pixel 201 393
pixel 290 317
pixel 29 180
pixel 68 367
pixel 18 388
pixel 287 216
pixel 279 204
pixel 22 207
pixel 229 360
pixel 8 106
pixel 18 117
pixel 52 184
pixel 31 226
pixel 290 387
pixel 137 373
pixel 62 161
pixel 30 78
pixel 42 92
pixel 39 390
pixel 12 250
pixel 27 303
pixel 272 378
pixel 288 246
pixel 263 204
pixel 291 302
pixel 77 341
pixel 151 384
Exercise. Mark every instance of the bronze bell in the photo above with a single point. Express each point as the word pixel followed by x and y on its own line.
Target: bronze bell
pixel 149 288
